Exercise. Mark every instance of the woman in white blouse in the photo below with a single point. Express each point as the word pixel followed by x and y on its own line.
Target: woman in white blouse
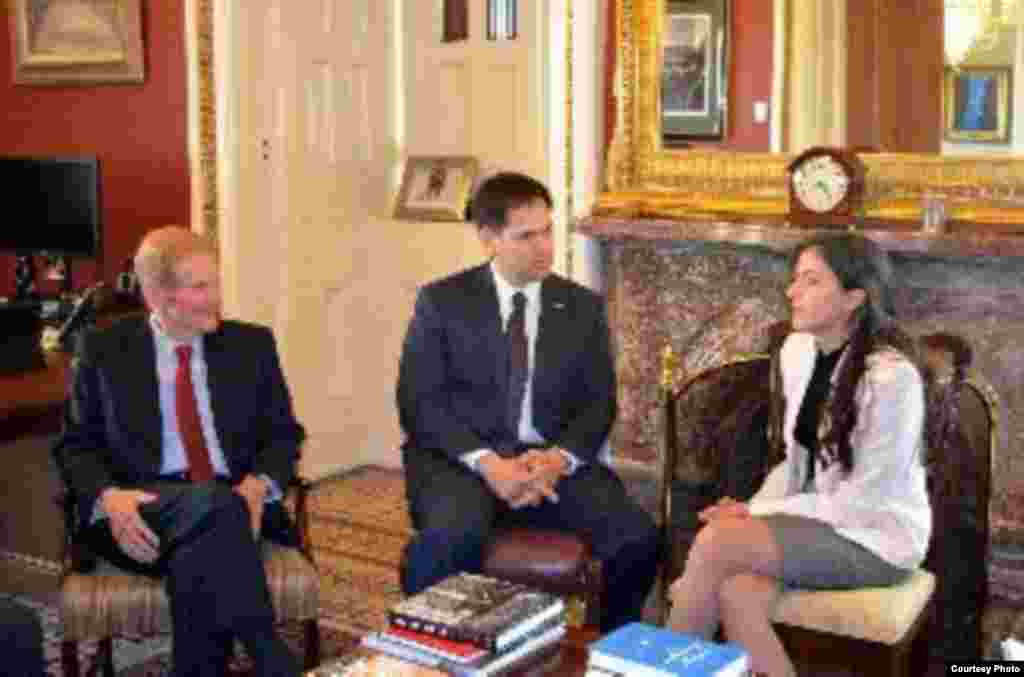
pixel 847 507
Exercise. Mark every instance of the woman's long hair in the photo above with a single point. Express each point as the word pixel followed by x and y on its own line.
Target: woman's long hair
pixel 859 263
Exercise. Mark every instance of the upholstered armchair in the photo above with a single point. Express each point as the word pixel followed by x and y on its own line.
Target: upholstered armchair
pixel 554 561
pixel 717 442
pixel 98 601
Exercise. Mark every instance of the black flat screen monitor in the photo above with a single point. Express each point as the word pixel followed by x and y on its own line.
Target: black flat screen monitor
pixel 53 206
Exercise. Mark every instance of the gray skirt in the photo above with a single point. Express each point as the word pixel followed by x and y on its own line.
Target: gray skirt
pixel 814 555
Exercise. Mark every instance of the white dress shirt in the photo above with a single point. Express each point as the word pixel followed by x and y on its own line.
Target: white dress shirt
pixel 882 503
pixel 527 432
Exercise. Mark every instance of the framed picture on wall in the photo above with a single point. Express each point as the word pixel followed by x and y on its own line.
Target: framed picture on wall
pixel 694 69
pixel 77 42
pixel 436 188
pixel 976 104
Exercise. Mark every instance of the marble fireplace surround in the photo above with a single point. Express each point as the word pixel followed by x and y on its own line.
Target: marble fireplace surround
pixel 710 290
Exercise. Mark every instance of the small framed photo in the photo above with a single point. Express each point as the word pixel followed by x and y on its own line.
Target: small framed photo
pixel 436 188
pixel 77 42
pixel 694 69
pixel 976 104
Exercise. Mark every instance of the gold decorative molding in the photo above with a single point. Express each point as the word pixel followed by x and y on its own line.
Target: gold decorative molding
pixel 570 147
pixel 203 115
pixel 671 375
pixel 646 179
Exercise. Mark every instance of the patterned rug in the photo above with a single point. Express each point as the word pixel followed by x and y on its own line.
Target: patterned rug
pixel 358 526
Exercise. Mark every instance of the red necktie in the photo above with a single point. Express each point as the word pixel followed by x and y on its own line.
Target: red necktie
pixel 199 467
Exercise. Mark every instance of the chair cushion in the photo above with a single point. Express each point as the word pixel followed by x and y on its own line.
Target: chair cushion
pixel 874 614
pixel 551 560
pixel 109 601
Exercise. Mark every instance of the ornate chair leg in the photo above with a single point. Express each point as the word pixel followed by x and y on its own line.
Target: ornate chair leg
pixel 900 662
pixel 312 643
pixel 69 658
pixel 106 655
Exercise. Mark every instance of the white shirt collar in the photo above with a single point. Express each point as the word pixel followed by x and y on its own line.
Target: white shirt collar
pixel 165 339
pixel 506 290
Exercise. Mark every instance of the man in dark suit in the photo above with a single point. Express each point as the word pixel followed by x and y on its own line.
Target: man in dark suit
pixel 506 395
pixel 179 439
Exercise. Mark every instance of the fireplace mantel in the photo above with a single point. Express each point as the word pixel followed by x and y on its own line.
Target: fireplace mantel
pixel 960 240
pixel 711 288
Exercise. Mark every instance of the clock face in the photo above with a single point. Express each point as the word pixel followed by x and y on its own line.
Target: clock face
pixel 820 183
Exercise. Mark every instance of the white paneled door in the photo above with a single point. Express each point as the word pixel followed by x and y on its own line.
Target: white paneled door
pixel 319 104
pixel 315 134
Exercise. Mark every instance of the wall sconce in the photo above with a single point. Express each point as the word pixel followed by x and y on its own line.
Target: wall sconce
pixel 501 19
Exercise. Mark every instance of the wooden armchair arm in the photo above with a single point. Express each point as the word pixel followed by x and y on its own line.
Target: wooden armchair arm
pixel 78 557
pixel 714 441
pixel 75 555
pixel 300 487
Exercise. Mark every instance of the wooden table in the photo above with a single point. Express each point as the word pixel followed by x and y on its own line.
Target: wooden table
pixel 31 401
pixel 31 406
pixel 31 524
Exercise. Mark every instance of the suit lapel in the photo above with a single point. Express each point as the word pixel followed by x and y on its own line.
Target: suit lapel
pixel 141 400
pixel 216 356
pixel 485 316
pixel 552 326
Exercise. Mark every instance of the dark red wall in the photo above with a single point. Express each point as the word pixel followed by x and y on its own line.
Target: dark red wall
pixel 139 133
pixel 750 77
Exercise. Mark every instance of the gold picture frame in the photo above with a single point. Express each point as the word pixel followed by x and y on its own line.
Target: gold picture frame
pixel 436 188
pixel 646 179
pixel 976 104
pixel 77 42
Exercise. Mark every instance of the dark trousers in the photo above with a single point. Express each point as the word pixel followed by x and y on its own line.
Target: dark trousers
pixel 21 641
pixel 455 512
pixel 214 575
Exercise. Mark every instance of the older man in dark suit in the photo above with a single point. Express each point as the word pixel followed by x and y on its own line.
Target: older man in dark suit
pixel 179 438
pixel 506 395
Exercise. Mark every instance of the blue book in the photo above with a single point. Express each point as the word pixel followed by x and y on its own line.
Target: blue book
pixel 642 650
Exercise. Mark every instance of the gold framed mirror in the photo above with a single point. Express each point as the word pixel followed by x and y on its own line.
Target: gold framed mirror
pixel 644 179
pixel 199 35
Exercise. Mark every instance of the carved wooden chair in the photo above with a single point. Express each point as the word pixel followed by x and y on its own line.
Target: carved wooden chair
pixel 716 438
pixel 99 601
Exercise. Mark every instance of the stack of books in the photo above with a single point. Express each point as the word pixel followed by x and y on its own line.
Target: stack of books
pixel 641 650
pixel 470 625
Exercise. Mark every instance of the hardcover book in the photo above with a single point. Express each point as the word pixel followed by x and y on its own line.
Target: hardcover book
pixel 488 612
pixel 642 650
pixel 458 652
pixel 538 647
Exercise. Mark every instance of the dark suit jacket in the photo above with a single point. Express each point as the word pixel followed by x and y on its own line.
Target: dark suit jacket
pixel 452 376
pixel 112 426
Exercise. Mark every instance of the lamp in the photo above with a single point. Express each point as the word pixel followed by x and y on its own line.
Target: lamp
pixel 975 25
